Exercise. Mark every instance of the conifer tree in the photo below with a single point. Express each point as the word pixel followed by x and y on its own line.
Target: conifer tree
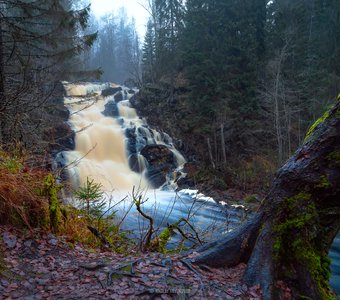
pixel 39 41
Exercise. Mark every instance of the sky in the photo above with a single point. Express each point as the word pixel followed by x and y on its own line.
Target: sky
pixel 133 8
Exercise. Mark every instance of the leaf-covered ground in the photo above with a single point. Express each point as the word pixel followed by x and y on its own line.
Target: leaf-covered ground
pixel 42 266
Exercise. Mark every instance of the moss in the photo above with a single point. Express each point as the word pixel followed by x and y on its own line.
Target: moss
pixel 317 122
pixel 337 113
pixel 51 191
pixel 13 165
pixel 324 183
pixel 297 243
pixel 164 238
pixel 334 157
pixel 251 199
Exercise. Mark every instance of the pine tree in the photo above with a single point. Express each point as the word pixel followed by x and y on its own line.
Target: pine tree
pixel 39 41
pixel 148 61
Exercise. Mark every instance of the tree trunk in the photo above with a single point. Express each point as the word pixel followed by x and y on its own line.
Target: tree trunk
pixel 2 84
pixel 210 153
pixel 290 236
pixel 224 154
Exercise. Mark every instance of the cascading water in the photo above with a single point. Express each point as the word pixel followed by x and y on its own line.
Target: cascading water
pixel 103 152
pixel 119 150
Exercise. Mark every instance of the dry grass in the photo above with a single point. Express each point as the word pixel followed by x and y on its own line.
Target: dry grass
pixel 20 202
pixel 23 205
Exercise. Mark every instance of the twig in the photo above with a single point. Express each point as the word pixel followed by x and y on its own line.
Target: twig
pixel 138 201
pixel 93 267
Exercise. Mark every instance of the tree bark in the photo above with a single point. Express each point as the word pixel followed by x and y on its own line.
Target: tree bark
pixel 2 84
pixel 289 238
pixel 210 153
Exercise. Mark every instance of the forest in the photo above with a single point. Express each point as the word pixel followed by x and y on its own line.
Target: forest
pixel 248 95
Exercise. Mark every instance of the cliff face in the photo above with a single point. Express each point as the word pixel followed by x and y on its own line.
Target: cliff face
pixel 57 132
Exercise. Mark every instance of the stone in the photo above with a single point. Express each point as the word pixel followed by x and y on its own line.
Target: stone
pixel 53 242
pixel 161 161
pixel 111 109
pixel 111 91
pixel 118 97
pixel 133 163
pixel 61 137
pixel 131 140
pixel 158 155
pixel 9 239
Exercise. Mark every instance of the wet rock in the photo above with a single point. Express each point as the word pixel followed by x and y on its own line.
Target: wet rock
pixel 111 91
pixel 111 109
pixel 135 101
pixel 59 111
pixel 161 161
pixel 185 183
pixel 131 91
pixel 156 176
pixel 134 164
pixel 119 97
pixel 131 140
pixel 61 136
pixel 158 155
pixel 10 240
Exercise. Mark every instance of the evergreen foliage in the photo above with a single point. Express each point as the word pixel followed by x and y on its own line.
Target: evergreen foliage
pixel 258 73
pixel 39 44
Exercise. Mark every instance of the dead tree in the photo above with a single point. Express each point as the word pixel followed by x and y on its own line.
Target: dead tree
pixel 289 238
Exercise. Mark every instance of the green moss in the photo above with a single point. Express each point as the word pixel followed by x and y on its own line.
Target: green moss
pixel 164 238
pixel 334 157
pixel 324 183
pixel 337 113
pixel 296 243
pixel 12 165
pixel 317 122
pixel 51 190
pixel 251 199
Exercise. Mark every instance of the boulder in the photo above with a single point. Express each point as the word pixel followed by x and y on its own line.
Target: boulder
pixel 161 161
pixel 111 91
pixel 133 163
pixel 185 183
pixel 135 101
pixel 131 140
pixel 159 155
pixel 10 240
pixel 61 137
pixel 111 109
pixel 156 176
pixel 119 97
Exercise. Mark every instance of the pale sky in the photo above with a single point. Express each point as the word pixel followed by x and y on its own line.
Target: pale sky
pixel 133 8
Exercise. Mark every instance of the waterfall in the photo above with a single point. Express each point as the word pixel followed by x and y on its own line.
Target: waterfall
pixel 117 148
pixel 110 138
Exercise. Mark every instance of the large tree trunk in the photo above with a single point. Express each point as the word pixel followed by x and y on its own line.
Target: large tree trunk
pixel 2 78
pixel 288 240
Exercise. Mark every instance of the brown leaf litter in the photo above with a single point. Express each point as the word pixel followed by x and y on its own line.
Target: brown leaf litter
pixel 46 267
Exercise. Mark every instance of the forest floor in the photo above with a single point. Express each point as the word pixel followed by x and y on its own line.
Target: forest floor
pixel 38 265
